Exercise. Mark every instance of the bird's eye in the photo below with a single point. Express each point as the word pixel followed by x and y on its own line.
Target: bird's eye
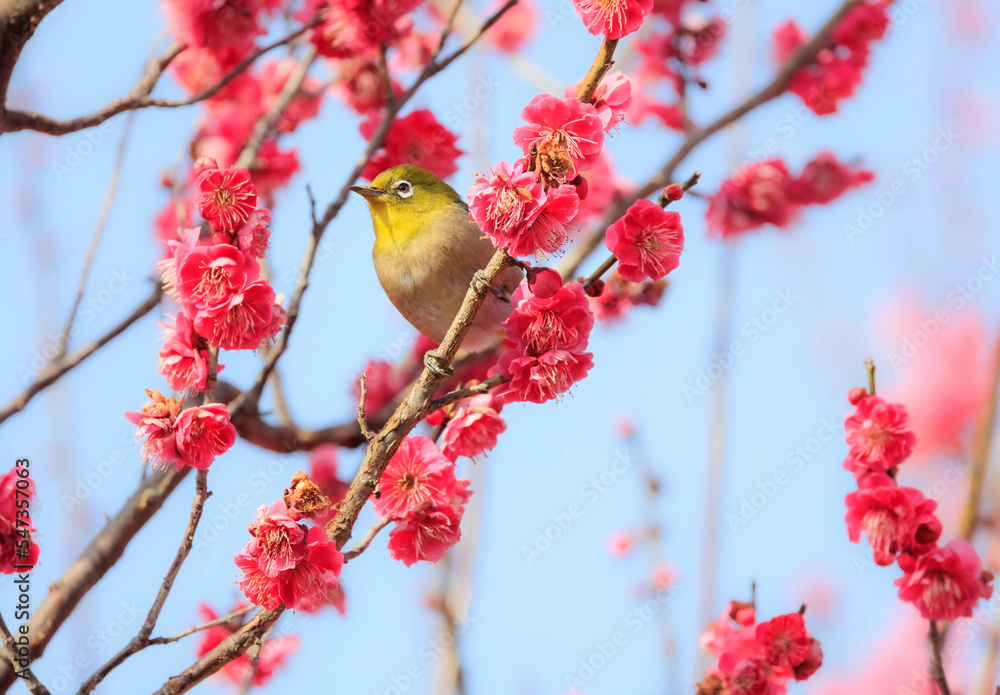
pixel 405 189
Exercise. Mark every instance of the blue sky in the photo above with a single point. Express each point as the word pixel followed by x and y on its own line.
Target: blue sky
pixel 530 623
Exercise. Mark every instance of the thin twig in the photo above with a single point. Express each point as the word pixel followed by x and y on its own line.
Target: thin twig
pixel 221 620
pixel 467 392
pixel 139 97
pixel 102 222
pixel 980 449
pixel 870 370
pixel 602 63
pixel 266 124
pixel 805 56
pixel 56 369
pixel 609 263
pixel 100 555
pixel 362 418
pixel 141 640
pixel 34 687
pixel 938 667
pixel 383 70
pixel 362 545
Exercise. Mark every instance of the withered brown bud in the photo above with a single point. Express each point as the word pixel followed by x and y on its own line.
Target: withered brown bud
pixel 713 685
pixel 596 288
pixel 304 498
pixel 652 292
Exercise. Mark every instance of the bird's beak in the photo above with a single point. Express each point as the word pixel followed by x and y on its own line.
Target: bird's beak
pixel 367 191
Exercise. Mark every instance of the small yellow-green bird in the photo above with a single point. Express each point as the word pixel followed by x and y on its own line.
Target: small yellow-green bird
pixel 427 251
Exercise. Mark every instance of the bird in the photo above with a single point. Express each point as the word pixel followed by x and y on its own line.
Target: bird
pixel 427 252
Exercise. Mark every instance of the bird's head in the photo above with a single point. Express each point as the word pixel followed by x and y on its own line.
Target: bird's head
pixel 407 190
pixel 404 200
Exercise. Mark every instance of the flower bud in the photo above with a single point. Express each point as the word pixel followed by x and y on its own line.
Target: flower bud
pixel 673 192
pixel 595 289
pixel 855 395
pixel 544 282
pixel 203 164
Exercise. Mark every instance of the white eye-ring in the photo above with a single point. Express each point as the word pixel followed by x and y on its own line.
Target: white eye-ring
pixel 404 188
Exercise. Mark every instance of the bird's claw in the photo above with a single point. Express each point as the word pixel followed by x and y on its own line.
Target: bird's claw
pixel 479 280
pixel 433 362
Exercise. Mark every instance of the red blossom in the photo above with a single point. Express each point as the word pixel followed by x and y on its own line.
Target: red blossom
pixel 181 362
pixel 826 178
pixel 218 25
pixel 299 569
pixel 417 475
pixel 505 203
pixel 473 429
pixel 14 532
pixel 757 195
pixel 647 241
pixel 612 19
pixel 426 534
pixel 567 135
pixel 209 277
pixel 359 85
pixel 227 197
pixel 156 423
pixel 245 322
pixel 417 138
pixel 540 378
pixel 611 99
pixel 886 515
pixel 202 433
pixel 561 321
pixel 879 434
pixel 785 640
pixel 946 583
pixel 515 27
pixel 812 663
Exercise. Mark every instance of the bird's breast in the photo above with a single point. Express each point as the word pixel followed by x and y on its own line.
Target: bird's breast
pixel 427 275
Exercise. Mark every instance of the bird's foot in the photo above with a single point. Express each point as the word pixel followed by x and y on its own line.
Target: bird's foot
pixel 435 363
pixel 479 280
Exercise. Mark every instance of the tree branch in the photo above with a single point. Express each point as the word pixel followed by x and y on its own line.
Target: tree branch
pixel 938 667
pixel 228 618
pixel 10 652
pixel 979 451
pixel 94 562
pixel 18 21
pixel 141 640
pixel 53 371
pixel 805 56
pixel 102 222
pixel 138 97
